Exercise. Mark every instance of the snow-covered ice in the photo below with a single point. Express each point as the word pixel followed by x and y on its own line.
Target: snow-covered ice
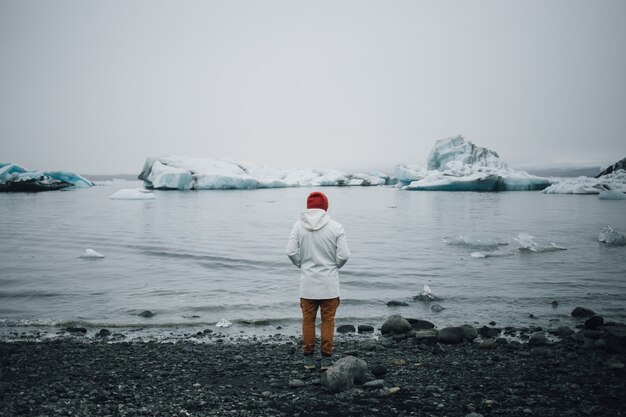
pixel 611 237
pixel 133 194
pixel 223 323
pixel 185 173
pixel 456 164
pixel 15 177
pixel 527 243
pixel 615 181
pixel 91 254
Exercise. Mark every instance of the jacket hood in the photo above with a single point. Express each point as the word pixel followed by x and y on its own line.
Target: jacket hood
pixel 314 219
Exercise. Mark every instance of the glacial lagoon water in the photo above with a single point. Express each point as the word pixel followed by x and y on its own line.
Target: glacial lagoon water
pixel 194 258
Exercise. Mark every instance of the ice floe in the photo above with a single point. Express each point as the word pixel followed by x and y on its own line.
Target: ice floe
pixel 456 164
pixel 611 237
pixel 91 254
pixel 527 243
pixel 15 177
pixel 615 181
pixel 133 194
pixel 185 173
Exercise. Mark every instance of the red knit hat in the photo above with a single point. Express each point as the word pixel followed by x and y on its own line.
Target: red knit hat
pixel 317 200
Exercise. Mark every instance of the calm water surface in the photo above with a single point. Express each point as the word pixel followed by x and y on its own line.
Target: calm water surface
pixel 195 257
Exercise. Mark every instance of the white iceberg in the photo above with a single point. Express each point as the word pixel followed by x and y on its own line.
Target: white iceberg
pixel 455 164
pixel 133 194
pixel 615 181
pixel 184 173
pixel 14 177
pixel 91 254
pixel 611 237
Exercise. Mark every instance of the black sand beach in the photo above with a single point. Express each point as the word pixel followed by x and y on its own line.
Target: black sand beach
pixel 415 373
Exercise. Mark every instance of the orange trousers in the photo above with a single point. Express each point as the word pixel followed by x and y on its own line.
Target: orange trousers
pixel 309 308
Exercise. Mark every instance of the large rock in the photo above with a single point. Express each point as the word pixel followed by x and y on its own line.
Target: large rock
pixel 489 332
pixel 346 328
pixel 538 339
pixel 396 324
pixel 582 312
pixel 469 332
pixel 594 322
pixel 426 336
pixel 418 324
pixel 365 328
pixel 344 374
pixel 452 335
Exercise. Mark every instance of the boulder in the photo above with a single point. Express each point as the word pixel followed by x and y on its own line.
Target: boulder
pixel 594 322
pixel 146 314
pixel 489 332
pixel 582 312
pixel 365 328
pixel 469 332
pixel 395 303
pixel 418 324
pixel 344 374
pixel 346 328
pixel 369 344
pixel 103 333
pixel 564 331
pixel 396 324
pixel 452 335
pixel 538 339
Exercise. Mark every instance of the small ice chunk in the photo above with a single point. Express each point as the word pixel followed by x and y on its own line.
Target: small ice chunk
pixel 611 237
pixel 611 195
pixel 224 323
pixel 478 255
pixel 527 243
pixel 91 254
pixel 426 295
pixel 133 194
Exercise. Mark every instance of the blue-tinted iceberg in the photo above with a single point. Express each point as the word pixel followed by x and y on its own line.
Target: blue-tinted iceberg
pixel 184 173
pixel 455 164
pixel 611 237
pixel 14 177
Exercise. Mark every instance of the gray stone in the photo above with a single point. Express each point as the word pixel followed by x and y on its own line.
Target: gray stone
pixel 469 332
pixel 395 303
pixel 438 349
pixel 489 332
pixel 396 324
pixel 473 415
pixel 368 344
pixel 564 331
pixel 426 336
pixel 538 339
pixel 365 328
pixel 379 370
pixel 582 312
pixel 418 324
pixel 296 383
pixel 488 344
pixel 592 334
pixel 377 383
pixel 594 322
pixel 146 314
pixel 452 335
pixel 346 328
pixel 437 308
pixel 103 333
pixel 344 374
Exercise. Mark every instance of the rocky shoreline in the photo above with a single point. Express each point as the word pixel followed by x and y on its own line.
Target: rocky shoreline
pixel 409 368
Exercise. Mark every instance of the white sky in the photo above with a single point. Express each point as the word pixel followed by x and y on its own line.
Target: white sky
pixel 97 86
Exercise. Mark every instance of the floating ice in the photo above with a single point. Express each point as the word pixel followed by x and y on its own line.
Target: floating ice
pixel 611 195
pixel 104 183
pixel 478 255
pixel 426 295
pixel 184 173
pixel 615 181
pixel 527 243
pixel 133 194
pixel 223 323
pixel 474 241
pixel 611 237
pixel 14 177
pixel 91 254
pixel 455 164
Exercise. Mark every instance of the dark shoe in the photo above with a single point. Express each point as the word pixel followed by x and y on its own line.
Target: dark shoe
pixel 327 362
pixel 309 362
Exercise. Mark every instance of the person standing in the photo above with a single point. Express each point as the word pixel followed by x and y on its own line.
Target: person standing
pixel 318 247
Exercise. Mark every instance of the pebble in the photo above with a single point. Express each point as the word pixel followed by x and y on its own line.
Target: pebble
pixel 296 383
pixel 376 383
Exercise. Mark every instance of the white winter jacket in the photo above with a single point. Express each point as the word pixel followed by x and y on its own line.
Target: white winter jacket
pixel 318 246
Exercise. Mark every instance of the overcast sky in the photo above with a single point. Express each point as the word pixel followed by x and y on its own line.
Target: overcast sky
pixel 97 86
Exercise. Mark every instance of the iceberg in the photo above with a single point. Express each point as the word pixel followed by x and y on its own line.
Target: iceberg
pixel 611 237
pixel 185 173
pixel 615 181
pixel 91 254
pixel 133 194
pixel 527 243
pixel 619 165
pixel 16 178
pixel 456 164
